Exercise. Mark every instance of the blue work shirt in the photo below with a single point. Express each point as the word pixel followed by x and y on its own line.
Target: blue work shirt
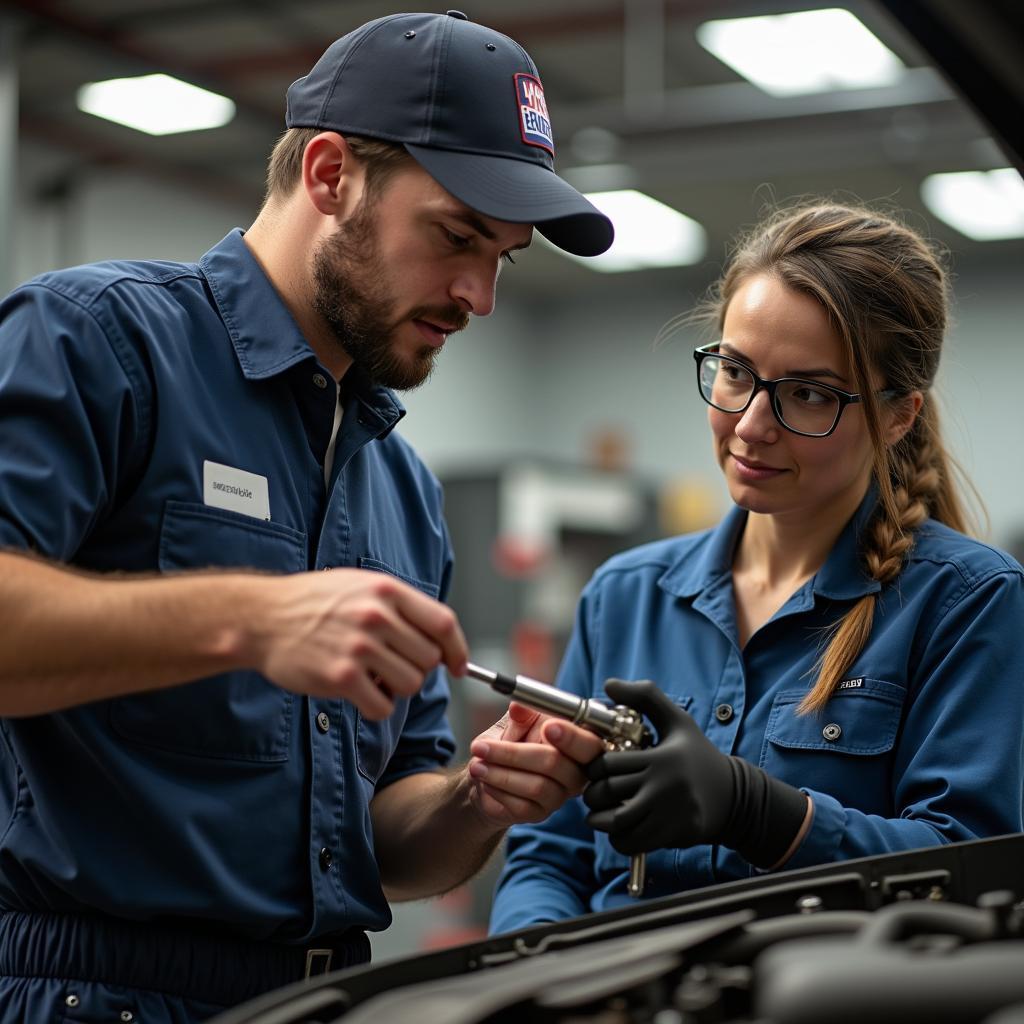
pixel 211 800
pixel 920 745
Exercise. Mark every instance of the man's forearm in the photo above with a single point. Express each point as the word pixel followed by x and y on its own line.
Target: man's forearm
pixel 71 637
pixel 428 835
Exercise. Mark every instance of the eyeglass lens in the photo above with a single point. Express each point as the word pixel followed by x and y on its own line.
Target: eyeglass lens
pixel 799 404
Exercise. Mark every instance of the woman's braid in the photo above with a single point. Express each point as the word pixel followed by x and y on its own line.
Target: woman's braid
pixel 916 482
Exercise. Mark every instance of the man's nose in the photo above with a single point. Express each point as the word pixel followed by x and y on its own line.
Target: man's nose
pixel 473 289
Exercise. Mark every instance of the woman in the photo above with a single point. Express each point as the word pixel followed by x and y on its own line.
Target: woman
pixel 835 666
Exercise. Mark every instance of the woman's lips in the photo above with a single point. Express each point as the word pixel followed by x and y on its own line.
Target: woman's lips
pixel 748 470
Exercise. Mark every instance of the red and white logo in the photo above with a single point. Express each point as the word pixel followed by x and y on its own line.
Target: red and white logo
pixel 534 123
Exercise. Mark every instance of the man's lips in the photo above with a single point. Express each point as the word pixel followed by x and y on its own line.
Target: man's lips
pixel 435 334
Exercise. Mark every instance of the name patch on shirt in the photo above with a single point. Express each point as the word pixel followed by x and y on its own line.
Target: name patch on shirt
pixel 851 684
pixel 235 490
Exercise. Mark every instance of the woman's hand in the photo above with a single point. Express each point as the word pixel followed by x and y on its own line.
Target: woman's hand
pixel 685 791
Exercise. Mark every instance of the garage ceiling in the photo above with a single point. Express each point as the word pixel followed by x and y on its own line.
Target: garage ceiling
pixel 626 83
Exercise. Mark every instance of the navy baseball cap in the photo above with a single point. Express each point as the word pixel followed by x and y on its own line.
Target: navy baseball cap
pixel 467 103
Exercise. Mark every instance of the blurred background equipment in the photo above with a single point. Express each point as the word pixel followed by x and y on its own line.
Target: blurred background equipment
pixel 562 433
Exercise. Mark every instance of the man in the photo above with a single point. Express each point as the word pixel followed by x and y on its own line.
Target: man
pixel 215 760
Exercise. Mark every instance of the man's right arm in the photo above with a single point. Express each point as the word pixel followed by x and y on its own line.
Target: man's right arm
pixel 71 638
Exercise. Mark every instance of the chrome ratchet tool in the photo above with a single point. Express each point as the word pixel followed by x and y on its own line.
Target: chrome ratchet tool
pixel 620 727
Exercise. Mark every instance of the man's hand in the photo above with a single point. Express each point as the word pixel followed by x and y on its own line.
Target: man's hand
pixel 523 768
pixel 356 635
pixel 527 765
pixel 685 791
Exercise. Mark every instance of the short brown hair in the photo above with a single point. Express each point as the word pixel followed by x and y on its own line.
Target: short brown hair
pixel 284 168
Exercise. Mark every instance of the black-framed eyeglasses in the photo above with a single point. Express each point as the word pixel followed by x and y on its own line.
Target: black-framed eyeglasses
pixel 801 406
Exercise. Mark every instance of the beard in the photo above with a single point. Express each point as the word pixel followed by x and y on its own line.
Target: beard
pixel 351 292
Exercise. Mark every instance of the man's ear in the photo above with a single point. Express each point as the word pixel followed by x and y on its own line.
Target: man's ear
pixel 332 177
pixel 901 416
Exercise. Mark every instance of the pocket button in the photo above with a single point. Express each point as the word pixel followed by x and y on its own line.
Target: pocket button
pixel 832 732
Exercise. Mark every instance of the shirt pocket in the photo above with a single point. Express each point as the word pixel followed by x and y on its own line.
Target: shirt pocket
pixel 845 750
pixel 376 742
pixel 235 715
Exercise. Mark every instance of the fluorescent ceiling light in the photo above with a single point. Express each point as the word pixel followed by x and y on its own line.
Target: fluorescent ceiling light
pixel 157 104
pixel 805 52
pixel 647 234
pixel 983 205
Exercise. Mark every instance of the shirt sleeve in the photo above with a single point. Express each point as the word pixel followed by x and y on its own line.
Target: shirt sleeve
pixel 958 770
pixel 549 867
pixel 426 743
pixel 71 417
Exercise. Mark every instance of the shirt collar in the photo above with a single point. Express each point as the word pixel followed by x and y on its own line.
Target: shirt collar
pixel 265 336
pixel 842 577
pixel 381 408
pixel 689 575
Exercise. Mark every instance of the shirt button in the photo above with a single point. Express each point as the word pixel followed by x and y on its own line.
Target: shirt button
pixel 320 380
pixel 323 721
pixel 832 732
pixel 724 712
pixel 326 859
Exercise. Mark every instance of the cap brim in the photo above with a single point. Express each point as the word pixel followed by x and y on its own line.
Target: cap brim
pixel 520 192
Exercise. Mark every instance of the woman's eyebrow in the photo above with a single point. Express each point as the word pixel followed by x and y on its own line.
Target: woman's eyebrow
pixel 730 350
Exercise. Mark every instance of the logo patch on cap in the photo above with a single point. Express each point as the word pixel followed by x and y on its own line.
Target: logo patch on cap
pixel 534 122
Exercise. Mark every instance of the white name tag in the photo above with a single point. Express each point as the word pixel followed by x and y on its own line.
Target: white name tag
pixel 236 490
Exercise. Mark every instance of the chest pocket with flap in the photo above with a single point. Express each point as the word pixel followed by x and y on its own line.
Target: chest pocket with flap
pixel 236 715
pixel 845 750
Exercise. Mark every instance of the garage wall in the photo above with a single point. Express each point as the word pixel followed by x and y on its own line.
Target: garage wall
pixel 544 374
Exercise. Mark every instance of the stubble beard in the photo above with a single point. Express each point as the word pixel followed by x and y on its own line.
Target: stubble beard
pixel 352 295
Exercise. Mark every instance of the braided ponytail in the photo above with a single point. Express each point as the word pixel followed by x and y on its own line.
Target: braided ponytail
pixel 915 483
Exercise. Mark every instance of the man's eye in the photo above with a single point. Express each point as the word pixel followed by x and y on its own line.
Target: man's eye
pixel 458 241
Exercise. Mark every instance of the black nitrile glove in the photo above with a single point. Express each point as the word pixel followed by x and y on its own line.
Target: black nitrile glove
pixel 685 791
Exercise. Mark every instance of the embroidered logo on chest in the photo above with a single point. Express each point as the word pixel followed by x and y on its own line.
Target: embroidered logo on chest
pixel 851 684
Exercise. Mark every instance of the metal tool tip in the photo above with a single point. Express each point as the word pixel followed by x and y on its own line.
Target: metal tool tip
pixel 483 674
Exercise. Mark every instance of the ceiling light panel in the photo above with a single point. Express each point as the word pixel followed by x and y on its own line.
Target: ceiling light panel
pixel 647 234
pixel 983 205
pixel 156 104
pixel 804 52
